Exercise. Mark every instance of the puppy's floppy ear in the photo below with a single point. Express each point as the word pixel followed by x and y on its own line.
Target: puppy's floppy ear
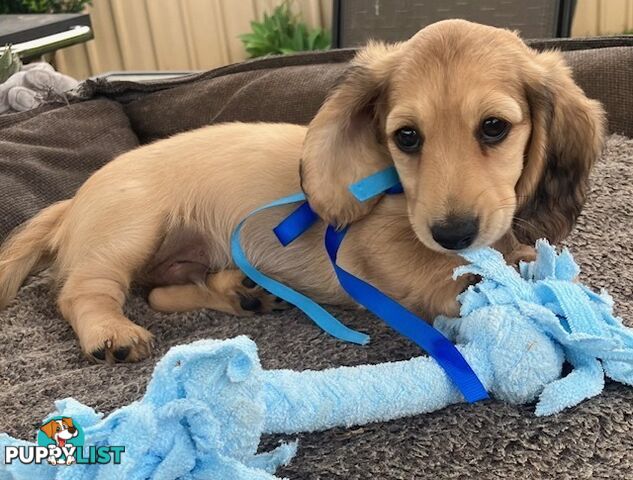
pixel 67 421
pixel 567 137
pixel 344 141
pixel 49 428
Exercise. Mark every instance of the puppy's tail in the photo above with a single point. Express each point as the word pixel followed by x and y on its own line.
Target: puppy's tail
pixel 28 247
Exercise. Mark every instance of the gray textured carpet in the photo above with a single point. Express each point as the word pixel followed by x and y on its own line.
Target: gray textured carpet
pixel 40 362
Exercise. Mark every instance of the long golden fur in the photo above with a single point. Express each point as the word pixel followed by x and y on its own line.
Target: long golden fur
pixel 163 213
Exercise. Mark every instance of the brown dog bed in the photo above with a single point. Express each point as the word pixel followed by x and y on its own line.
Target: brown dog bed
pixel 46 154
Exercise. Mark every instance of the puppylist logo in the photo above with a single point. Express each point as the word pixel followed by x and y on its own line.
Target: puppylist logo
pixel 60 441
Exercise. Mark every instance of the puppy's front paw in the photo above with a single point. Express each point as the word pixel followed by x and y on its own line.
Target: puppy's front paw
pixel 525 253
pixel 118 340
pixel 70 460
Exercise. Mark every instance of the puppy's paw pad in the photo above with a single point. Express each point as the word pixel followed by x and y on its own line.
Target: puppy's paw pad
pixel 242 295
pixel 121 353
pixel 118 341
pixel 249 303
pixel 259 301
pixel 99 354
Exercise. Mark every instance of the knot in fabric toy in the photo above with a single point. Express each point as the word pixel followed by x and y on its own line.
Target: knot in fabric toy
pixel 544 299
pixel 201 417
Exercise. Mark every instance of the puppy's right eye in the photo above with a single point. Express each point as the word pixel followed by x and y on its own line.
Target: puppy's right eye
pixel 408 140
pixel 494 130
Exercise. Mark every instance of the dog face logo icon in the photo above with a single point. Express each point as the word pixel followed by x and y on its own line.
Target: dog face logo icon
pixel 60 430
pixel 62 437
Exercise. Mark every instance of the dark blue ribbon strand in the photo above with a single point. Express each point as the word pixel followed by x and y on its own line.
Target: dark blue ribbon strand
pixel 406 323
pixel 295 224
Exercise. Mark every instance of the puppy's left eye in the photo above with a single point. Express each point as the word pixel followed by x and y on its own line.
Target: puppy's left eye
pixel 493 130
pixel 408 140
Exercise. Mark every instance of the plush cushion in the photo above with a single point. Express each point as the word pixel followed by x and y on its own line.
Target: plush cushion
pixel 290 94
pixel 277 89
pixel 46 154
pixel 606 74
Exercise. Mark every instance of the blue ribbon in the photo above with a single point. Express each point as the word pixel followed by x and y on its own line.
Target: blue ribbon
pixel 301 219
pixel 312 309
pixel 386 180
pixel 293 226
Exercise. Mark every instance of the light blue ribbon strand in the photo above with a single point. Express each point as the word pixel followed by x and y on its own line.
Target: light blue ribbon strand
pixel 373 185
pixel 312 309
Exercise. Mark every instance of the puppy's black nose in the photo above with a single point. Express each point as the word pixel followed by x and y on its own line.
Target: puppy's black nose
pixel 72 430
pixel 456 233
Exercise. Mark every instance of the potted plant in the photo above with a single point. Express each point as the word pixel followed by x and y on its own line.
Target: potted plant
pixel 283 32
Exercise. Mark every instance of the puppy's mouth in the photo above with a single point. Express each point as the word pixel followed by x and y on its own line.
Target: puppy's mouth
pixel 61 442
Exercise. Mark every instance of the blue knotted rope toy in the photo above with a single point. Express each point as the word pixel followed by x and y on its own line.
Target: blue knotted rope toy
pixel 209 402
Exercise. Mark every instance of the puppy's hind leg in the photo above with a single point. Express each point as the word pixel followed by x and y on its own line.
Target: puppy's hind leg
pixel 98 272
pixel 93 305
pixel 227 291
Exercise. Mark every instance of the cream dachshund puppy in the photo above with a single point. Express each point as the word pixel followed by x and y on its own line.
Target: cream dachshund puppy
pixel 492 140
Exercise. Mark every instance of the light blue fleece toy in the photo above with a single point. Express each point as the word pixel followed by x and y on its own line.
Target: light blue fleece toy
pixel 209 402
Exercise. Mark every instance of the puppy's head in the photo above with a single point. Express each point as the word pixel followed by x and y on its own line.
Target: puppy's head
pixel 487 136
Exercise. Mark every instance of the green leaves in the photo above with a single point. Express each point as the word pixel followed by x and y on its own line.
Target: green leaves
pixel 9 64
pixel 282 32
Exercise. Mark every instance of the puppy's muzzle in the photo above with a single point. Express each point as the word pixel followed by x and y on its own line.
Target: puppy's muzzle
pixel 455 232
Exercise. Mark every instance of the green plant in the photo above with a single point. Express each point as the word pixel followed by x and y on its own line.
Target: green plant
pixel 9 64
pixel 43 6
pixel 283 32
